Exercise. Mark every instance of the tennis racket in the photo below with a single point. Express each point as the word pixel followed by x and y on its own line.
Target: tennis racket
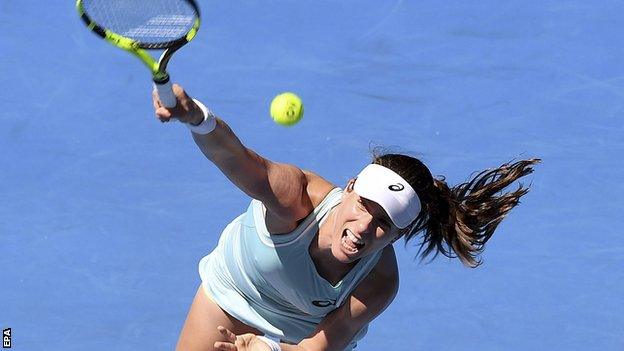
pixel 140 25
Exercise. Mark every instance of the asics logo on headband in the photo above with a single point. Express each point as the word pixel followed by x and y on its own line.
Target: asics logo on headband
pixel 396 187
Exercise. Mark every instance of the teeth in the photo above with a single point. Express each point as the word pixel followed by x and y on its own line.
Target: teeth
pixel 348 245
pixel 354 238
pixel 351 243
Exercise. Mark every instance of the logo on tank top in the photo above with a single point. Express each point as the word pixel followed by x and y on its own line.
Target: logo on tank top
pixel 323 303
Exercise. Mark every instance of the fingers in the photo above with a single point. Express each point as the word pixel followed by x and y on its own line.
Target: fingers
pixel 229 345
pixel 155 99
pixel 161 112
pixel 179 92
pixel 231 337
pixel 180 111
pixel 225 346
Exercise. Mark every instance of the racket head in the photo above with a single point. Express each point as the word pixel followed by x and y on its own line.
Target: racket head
pixel 141 24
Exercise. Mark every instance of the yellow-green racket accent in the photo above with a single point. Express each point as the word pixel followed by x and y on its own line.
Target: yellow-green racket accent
pixel 143 19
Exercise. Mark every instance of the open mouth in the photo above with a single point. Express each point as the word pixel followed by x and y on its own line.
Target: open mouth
pixel 350 242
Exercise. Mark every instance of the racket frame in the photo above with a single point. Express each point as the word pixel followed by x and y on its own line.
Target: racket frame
pixel 138 49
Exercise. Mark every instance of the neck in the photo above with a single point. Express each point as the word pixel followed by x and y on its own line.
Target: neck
pixel 320 251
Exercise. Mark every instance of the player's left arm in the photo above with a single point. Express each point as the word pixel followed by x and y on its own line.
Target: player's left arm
pixel 372 296
pixel 338 328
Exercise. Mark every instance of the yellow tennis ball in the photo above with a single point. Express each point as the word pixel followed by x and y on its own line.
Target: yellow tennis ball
pixel 286 109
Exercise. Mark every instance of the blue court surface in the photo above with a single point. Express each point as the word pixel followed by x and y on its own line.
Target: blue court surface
pixel 105 212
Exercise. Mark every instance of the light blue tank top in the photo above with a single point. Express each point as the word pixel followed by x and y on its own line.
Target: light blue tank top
pixel 270 282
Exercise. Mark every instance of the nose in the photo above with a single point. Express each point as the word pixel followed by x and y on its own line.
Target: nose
pixel 365 222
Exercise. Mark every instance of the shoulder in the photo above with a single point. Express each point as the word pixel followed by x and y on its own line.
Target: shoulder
pixel 377 291
pixel 317 187
pixel 288 208
pixel 383 279
pixel 387 264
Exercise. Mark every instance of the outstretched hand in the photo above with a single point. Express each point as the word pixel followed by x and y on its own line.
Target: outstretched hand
pixel 243 342
pixel 185 111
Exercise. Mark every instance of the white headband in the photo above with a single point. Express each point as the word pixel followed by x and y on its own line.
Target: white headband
pixel 391 192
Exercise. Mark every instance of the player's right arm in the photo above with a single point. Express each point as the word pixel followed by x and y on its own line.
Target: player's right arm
pixel 282 188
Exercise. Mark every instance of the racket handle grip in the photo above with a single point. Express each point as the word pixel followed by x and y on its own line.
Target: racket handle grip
pixel 165 93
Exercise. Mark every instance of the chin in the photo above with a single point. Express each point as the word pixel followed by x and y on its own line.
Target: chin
pixel 342 256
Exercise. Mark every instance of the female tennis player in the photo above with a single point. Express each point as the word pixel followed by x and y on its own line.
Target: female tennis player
pixel 308 265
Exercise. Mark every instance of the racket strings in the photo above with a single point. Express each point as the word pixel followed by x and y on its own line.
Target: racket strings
pixel 169 28
pixel 148 22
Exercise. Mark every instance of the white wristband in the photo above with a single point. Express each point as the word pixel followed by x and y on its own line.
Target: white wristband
pixel 274 346
pixel 207 125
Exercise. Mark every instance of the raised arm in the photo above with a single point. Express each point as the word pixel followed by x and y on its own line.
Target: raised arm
pixel 281 187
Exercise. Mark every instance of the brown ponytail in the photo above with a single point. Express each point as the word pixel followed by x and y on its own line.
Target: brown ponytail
pixel 458 221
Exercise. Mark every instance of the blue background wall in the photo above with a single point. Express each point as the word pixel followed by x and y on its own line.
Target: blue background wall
pixel 105 212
